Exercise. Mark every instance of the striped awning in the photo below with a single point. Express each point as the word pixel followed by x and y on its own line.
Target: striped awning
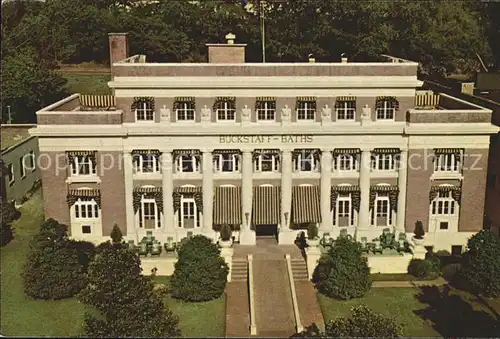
pixel 226 151
pixel 305 204
pixel 146 151
pixel 386 150
pixel 178 152
pixel 144 190
pixel 184 99
pixel 447 150
pixel 258 152
pixel 456 192
pixel 338 151
pixel 265 99
pixel 197 193
pixel 346 98
pixel 227 205
pixel 384 188
pixel 266 205
pixel 306 99
pixel 150 193
pixel 353 190
pixel 81 153
pixel 393 102
pixel 74 194
pixel 97 101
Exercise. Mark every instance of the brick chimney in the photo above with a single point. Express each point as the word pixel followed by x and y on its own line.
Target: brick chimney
pixel 118 47
pixel 228 53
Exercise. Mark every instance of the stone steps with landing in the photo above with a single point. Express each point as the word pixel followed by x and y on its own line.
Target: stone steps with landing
pixel 299 270
pixel 237 309
pixel 239 270
pixel 273 302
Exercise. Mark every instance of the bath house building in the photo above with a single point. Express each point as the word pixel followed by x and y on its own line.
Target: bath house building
pixel 183 148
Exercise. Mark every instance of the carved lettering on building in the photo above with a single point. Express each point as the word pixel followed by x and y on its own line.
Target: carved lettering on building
pixel 265 139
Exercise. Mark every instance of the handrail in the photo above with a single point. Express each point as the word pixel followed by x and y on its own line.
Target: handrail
pixel 298 324
pixel 253 327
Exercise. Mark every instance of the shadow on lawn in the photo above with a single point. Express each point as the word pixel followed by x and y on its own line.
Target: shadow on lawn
pixel 452 316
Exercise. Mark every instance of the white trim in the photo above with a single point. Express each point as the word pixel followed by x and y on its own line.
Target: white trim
pixel 273 64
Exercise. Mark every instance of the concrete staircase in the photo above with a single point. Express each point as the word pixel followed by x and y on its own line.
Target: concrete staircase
pixel 239 269
pixel 299 270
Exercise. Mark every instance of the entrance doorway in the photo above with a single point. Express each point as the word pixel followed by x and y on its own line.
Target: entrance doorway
pixel 270 230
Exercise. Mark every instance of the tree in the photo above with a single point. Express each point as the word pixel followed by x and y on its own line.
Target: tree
pixel 28 84
pixel 343 272
pixel 200 272
pixel 481 264
pixel 53 269
pixel 8 214
pixel 124 298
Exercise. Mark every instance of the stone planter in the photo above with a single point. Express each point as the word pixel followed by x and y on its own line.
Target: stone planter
pixel 312 242
pixel 225 243
pixel 417 242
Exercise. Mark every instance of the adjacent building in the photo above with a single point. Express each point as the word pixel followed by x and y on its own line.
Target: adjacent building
pixel 20 173
pixel 269 148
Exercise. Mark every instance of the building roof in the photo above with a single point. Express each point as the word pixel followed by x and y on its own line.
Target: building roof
pixel 14 133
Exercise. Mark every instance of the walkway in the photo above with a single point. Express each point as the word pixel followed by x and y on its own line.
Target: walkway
pixel 267 247
pixel 237 309
pixel 273 302
pixel 410 283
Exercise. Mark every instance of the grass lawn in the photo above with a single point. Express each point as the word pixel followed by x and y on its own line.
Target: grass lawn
pixel 394 277
pixel 425 311
pixel 21 316
pixel 87 83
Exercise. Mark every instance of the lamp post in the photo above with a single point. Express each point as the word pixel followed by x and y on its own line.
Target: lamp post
pixel 286 219
pixel 8 112
pixel 247 217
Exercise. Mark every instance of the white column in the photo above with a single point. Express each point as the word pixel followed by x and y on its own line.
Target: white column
pixel 402 178
pixel 364 185
pixel 208 191
pixel 129 199
pixel 167 188
pixel 325 189
pixel 286 189
pixel 247 236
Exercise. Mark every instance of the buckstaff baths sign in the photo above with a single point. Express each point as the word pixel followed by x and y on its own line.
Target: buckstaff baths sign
pixel 265 139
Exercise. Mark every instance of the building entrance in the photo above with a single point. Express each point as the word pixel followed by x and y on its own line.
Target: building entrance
pixel 266 230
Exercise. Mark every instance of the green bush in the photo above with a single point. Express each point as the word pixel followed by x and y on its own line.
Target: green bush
pixel 225 232
pixel 427 269
pixel 53 268
pixel 363 323
pixel 312 231
pixel 116 235
pixel 419 232
pixel 127 303
pixel 451 272
pixel 85 250
pixel 6 234
pixel 200 273
pixel 343 272
pixel 481 264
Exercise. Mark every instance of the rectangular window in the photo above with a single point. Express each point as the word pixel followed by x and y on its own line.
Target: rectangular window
pixel 10 171
pixel 144 111
pixel 147 163
pixel 386 110
pixel 226 110
pixel 86 229
pixel 31 161
pixel 86 208
pixel 443 225
pixel 446 163
pixel 266 110
pixel 381 212
pixel 227 162
pixel 185 111
pixel 187 163
pixel 189 216
pixel 346 110
pixel 267 163
pixel 345 215
pixel 22 167
pixel 306 162
pixel 83 165
pixel 149 214
pixel 306 110
pixel 384 162
pixel 345 163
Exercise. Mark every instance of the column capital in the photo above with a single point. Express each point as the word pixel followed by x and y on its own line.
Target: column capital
pixel 366 149
pixel 326 150
pixel 165 150
pixel 206 150
pixel 250 151
pixel 286 150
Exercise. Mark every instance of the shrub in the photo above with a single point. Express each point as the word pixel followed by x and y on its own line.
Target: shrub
pixel 363 323
pixel 312 231
pixel 126 301
pixel 85 250
pixel 343 273
pixel 9 212
pixel 53 269
pixel 424 268
pixel 419 232
pixel 481 264
pixel 200 273
pixel 116 235
pixel 6 234
pixel 225 232
pixel 451 272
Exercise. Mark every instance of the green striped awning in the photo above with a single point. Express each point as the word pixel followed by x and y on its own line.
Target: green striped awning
pixel 265 99
pixel 384 188
pixel 97 101
pixel 226 151
pixel 146 151
pixel 74 194
pixel 150 193
pixel 227 205
pixel 447 150
pixel 338 151
pixel 145 190
pixel 456 192
pixel 197 193
pixel 81 153
pixel 178 152
pixel 343 189
pixel 184 99
pixel 305 204
pixel 393 102
pixel 266 205
pixel 306 99
pixel 386 150
pixel 346 98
